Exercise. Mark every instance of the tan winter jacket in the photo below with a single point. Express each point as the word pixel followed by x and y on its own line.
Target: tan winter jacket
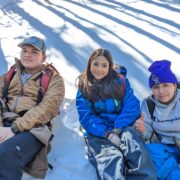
pixel 24 98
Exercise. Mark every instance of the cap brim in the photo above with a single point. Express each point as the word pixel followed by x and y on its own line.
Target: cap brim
pixel 23 44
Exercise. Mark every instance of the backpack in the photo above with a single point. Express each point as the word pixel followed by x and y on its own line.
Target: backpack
pixel 44 82
pixel 151 104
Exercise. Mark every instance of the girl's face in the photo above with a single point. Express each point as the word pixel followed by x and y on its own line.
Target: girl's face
pixel 99 67
pixel 164 92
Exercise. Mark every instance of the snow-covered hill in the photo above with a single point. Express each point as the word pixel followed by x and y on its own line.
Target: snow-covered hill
pixel 137 32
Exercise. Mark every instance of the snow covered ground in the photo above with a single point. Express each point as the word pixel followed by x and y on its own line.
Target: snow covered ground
pixel 137 32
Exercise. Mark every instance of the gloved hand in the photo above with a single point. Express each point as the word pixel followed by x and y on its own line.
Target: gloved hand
pixel 114 139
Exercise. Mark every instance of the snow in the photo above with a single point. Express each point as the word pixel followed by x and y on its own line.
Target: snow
pixel 136 32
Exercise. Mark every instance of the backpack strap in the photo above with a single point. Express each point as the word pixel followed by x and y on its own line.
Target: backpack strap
pixel 120 69
pixel 122 72
pixel 8 77
pixel 178 85
pixel 44 83
pixel 123 85
pixel 150 105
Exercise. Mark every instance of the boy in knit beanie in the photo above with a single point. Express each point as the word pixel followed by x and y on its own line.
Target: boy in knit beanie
pixel 164 122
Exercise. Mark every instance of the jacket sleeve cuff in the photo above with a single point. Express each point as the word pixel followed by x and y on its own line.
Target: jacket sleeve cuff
pixel 117 131
pixel 107 134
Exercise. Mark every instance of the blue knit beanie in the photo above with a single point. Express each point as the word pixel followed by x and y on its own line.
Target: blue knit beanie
pixel 161 73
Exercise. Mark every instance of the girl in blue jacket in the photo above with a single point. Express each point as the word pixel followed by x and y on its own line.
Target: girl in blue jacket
pixel 107 114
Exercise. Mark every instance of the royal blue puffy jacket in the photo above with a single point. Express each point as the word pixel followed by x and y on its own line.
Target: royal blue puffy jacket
pixel 102 116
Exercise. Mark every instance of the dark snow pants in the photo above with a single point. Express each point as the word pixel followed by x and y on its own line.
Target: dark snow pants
pixel 130 162
pixel 16 153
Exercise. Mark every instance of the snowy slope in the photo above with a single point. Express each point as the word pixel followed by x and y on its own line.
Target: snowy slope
pixel 137 32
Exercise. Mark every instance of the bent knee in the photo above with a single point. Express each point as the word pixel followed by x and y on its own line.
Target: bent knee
pixel 8 155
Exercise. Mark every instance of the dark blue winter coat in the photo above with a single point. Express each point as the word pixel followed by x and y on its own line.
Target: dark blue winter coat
pixel 102 116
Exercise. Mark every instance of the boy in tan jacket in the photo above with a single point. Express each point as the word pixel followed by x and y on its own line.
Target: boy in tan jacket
pixel 25 131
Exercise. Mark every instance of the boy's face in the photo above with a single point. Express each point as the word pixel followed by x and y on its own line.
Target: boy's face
pixel 31 58
pixel 164 92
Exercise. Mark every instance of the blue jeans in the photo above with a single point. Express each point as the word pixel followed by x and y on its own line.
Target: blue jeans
pixel 16 153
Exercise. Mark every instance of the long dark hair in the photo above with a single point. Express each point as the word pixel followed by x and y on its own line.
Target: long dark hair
pixel 103 89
